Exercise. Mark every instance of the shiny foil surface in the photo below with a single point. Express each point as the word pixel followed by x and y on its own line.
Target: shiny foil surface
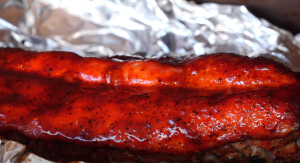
pixel 141 28
pixel 145 28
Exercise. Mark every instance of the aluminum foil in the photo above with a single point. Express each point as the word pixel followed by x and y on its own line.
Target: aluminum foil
pixel 145 28
pixel 141 28
pixel 10 151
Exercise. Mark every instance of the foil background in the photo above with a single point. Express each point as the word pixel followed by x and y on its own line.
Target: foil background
pixel 141 28
pixel 146 28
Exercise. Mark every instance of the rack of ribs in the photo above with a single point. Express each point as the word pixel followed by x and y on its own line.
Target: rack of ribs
pixel 162 107
pixel 208 74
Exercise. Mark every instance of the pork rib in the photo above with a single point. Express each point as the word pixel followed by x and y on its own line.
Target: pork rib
pixel 50 109
pixel 204 75
pixel 54 96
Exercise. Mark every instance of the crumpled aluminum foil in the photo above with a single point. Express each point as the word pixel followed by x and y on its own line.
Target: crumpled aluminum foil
pixel 10 151
pixel 145 28
pixel 141 28
pixel 297 40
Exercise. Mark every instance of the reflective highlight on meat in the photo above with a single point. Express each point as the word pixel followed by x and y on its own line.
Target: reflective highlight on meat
pixel 50 109
pixel 208 74
pixel 160 106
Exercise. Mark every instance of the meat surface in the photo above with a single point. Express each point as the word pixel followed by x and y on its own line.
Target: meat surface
pixel 44 97
pixel 50 109
pixel 204 75
pixel 250 150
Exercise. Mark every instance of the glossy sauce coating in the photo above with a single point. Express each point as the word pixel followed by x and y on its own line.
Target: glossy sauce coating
pixel 204 75
pixel 50 109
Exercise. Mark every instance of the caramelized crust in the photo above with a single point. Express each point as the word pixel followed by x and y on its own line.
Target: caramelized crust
pixel 204 75
pixel 281 150
pixel 148 107
pixel 49 109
